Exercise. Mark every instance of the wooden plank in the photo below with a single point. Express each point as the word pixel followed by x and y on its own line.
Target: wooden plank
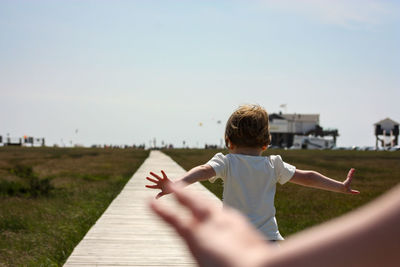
pixel 128 233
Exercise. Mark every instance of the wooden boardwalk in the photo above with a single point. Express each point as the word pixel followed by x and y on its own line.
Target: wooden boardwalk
pixel 128 233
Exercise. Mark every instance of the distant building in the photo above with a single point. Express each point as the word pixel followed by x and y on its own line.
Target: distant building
pixel 23 141
pixel 13 141
pixel 284 127
pixel 387 133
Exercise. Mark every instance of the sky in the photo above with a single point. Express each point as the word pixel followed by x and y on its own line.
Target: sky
pixel 134 72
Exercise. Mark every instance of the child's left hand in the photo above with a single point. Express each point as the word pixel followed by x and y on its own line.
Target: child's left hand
pixel 347 183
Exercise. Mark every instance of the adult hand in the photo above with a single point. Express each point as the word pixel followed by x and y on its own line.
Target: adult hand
pixel 215 236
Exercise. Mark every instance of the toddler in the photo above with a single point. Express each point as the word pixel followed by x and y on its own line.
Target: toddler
pixel 249 178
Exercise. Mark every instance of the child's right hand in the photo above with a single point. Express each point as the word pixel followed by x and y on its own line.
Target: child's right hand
pixel 347 183
pixel 161 183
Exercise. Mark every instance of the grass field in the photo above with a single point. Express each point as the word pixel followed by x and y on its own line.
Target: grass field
pixel 50 197
pixel 300 207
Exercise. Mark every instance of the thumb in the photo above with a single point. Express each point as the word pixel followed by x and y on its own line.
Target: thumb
pixel 354 192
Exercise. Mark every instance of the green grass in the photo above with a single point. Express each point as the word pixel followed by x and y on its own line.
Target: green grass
pixel 300 207
pixel 40 225
pixel 42 228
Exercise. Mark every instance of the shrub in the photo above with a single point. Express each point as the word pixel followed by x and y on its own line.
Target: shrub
pixel 35 186
pixel 11 188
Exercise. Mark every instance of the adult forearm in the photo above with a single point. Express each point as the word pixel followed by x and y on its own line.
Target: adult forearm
pixel 365 237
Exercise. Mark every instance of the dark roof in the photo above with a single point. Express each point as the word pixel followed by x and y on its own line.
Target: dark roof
pixel 275 116
pixel 387 120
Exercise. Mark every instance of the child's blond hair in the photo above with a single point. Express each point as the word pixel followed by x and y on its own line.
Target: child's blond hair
pixel 248 126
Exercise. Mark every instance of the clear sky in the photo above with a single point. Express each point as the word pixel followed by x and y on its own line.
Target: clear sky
pixel 126 72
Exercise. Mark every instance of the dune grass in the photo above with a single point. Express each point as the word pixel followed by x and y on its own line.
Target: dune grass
pixel 50 197
pixel 300 207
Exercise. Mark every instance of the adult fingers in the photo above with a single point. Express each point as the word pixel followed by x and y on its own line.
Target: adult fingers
pixel 170 217
pixel 199 209
pixel 164 175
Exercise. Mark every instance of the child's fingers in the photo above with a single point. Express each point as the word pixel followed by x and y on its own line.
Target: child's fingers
pixel 160 195
pixel 152 180
pixel 156 176
pixel 164 175
pixel 191 201
pixel 348 181
pixel 153 186
pixel 350 174
pixel 354 192
pixel 349 177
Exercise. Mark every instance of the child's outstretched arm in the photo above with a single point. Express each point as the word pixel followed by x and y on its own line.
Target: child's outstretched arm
pixel 317 180
pixel 199 173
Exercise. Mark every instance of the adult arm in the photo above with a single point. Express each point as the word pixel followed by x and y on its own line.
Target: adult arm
pixel 366 237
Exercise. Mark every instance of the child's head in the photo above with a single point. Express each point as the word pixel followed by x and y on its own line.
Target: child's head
pixel 248 126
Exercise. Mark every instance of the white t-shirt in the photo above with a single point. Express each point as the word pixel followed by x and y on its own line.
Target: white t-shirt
pixel 250 185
